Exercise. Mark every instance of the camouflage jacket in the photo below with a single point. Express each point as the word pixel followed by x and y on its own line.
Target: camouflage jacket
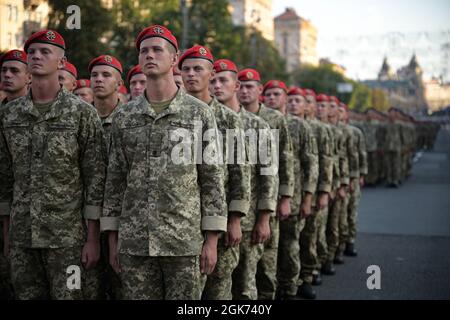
pixel 351 151
pixel 393 141
pixel 361 147
pixel 325 155
pixel 276 120
pixel 236 169
pixel 336 135
pixel 305 160
pixel 52 169
pixel 164 185
pixel 264 186
pixel 107 124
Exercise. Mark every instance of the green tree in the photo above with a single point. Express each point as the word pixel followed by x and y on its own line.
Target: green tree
pixel 361 98
pixel 82 45
pixel 380 101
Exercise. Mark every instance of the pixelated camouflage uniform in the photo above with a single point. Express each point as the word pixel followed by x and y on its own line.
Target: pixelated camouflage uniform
pixel 52 168
pixel 305 161
pixel 308 237
pixel 263 197
pixel 237 188
pixel 161 200
pixel 393 147
pixel 266 276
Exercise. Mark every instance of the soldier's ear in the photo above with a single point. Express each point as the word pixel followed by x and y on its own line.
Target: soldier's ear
pixel 62 62
pixel 175 58
pixel 237 86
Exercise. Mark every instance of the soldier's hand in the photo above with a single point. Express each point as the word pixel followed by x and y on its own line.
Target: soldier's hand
pixel 341 192
pixel 208 258
pixel 90 254
pixel 361 181
pixel 305 207
pixel 261 230
pixel 322 201
pixel 113 252
pixel 284 208
pixel 234 233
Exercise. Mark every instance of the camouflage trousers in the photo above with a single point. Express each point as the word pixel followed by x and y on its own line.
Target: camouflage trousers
pixel 289 254
pixel 266 274
pixel 321 241
pixel 102 282
pixel 244 276
pixel 343 222
pixel 308 247
pixel 160 278
pixel 6 290
pixel 373 161
pixel 219 283
pixel 352 219
pixel 334 217
pixel 42 273
pixel 393 167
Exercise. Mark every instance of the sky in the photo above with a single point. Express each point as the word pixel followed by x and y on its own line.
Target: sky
pixel 350 17
pixel 359 33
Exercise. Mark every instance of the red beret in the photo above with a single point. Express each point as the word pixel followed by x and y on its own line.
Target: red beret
pixel 343 105
pixel 196 52
pixel 296 92
pixel 106 60
pixel 249 75
pixel 271 84
pixel 133 71
pixel 46 36
pixel 224 65
pixel 123 90
pixel 14 55
pixel 156 31
pixel 334 99
pixel 83 83
pixel 310 92
pixel 71 69
pixel 323 98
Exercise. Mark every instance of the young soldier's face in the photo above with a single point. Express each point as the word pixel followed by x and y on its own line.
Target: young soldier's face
pixel 157 57
pixel 343 116
pixel 224 85
pixel 275 98
pixel 44 59
pixel 311 105
pixel 67 80
pixel 196 74
pixel 249 92
pixel 322 110
pixel 85 94
pixel 332 110
pixel 105 81
pixel 296 105
pixel 14 76
pixel 137 85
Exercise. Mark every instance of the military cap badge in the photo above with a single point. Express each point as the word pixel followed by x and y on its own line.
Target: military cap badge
pixel 50 35
pixel 158 30
pixel 249 75
pixel 108 59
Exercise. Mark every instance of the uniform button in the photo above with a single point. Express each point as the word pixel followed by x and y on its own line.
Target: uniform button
pixel 152 206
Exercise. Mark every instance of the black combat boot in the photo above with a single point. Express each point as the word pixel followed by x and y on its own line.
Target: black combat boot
pixel 306 291
pixel 338 259
pixel 328 269
pixel 350 250
pixel 317 280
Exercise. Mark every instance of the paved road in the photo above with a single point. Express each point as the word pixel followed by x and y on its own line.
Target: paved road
pixel 406 232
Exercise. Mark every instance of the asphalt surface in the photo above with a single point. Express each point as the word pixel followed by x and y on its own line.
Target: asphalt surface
pixel 406 233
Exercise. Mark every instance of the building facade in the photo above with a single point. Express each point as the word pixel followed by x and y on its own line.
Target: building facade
pixel 19 19
pixel 253 13
pixel 296 40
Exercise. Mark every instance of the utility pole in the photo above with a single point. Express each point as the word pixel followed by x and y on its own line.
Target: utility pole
pixel 185 13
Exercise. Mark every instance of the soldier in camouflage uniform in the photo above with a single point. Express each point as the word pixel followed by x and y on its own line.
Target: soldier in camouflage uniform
pixel 255 224
pixel 196 66
pixel 106 79
pixel 67 76
pixel 256 227
pixel 165 202
pixel 358 169
pixel 306 171
pixel 14 78
pixel 136 81
pixel 393 147
pixel 324 265
pixel 370 127
pixel 272 114
pixel 52 168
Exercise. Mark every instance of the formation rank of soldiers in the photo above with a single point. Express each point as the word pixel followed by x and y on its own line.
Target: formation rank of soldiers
pixel 93 183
